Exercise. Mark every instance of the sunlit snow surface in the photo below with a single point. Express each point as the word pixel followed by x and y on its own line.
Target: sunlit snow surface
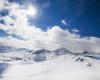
pixel 60 68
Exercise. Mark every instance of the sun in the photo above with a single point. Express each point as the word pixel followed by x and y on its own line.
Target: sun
pixel 32 11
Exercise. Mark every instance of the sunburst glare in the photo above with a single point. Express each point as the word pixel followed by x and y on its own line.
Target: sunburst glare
pixel 32 11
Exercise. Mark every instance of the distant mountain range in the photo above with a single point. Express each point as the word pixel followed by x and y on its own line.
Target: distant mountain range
pixel 7 49
pixel 23 54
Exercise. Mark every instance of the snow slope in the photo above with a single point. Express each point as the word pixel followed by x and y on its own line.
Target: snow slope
pixel 61 68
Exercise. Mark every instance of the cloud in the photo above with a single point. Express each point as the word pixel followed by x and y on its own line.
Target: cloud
pixel 2 4
pixel 33 37
pixel 8 20
pixel 64 22
pixel 75 30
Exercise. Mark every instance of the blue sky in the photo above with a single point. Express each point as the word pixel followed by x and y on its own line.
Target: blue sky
pixel 80 14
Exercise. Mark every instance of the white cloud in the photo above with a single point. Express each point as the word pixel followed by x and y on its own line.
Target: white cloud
pixel 2 3
pixel 75 30
pixel 64 22
pixel 35 38
pixel 8 20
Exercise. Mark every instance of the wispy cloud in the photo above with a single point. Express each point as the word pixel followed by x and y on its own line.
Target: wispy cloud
pixel 35 38
pixel 64 22
pixel 75 30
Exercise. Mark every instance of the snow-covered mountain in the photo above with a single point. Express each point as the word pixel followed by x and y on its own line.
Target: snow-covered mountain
pixel 42 64
pixel 7 49
pixel 23 54
pixel 63 67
